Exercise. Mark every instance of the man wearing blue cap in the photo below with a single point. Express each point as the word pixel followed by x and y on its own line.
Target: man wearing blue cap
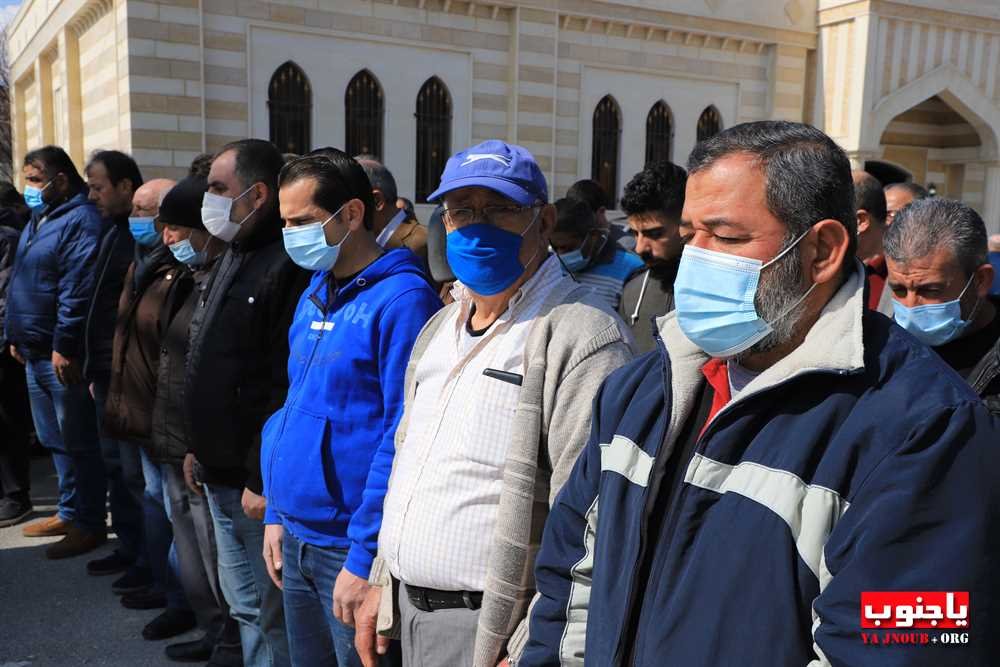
pixel 498 395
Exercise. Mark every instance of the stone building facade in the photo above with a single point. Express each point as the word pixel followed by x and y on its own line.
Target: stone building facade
pixel 591 87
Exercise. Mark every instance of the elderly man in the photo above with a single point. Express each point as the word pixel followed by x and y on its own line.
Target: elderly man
pixel 940 280
pixel 653 201
pixel 48 299
pixel 236 379
pixel 869 205
pixel 394 227
pixel 899 195
pixel 497 406
pixel 785 453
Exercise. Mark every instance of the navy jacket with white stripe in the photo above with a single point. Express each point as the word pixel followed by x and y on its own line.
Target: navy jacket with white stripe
pixel 860 462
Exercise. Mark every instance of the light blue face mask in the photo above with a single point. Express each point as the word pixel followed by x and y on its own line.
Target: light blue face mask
pixel 33 196
pixel 934 324
pixel 143 231
pixel 184 252
pixel 575 261
pixel 714 295
pixel 306 245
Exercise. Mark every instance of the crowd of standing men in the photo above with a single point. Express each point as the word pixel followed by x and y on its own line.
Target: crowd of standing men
pixel 330 435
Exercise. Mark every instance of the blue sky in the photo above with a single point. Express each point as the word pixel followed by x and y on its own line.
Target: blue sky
pixel 7 10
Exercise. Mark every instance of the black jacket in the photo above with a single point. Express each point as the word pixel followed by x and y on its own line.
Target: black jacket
pixel 8 249
pixel 236 371
pixel 985 379
pixel 115 253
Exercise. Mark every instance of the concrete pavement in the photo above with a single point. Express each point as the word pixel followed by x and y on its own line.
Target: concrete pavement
pixel 52 614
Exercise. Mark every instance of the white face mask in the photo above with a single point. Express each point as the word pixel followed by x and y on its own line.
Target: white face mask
pixel 215 212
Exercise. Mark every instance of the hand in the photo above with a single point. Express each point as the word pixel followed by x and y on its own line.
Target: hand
pixel 348 595
pixel 273 535
pixel 254 505
pixel 67 370
pixel 504 663
pixel 17 355
pixel 192 483
pixel 92 388
pixel 367 642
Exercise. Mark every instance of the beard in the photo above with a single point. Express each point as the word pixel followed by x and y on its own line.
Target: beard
pixel 779 302
pixel 663 270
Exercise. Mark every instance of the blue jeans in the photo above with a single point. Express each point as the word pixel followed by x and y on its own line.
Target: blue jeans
pixel 123 471
pixel 254 601
pixel 66 424
pixel 315 636
pixel 159 534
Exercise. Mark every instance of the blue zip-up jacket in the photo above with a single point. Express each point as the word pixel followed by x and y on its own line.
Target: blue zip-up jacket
pixel 327 453
pixel 53 280
pixel 860 462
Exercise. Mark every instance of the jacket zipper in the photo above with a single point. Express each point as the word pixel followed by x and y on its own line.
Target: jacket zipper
pixel 676 494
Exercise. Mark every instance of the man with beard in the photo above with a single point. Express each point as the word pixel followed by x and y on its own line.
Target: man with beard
pixel 653 201
pixel 786 452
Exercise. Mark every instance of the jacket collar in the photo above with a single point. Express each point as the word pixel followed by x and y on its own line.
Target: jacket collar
pixel 835 343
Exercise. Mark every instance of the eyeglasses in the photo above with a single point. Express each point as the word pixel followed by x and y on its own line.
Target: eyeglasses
pixel 498 216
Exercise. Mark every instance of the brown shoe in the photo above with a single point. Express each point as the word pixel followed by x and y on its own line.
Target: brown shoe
pixel 76 543
pixel 51 527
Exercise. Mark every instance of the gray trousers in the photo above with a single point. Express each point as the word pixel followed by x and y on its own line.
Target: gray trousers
pixel 442 638
pixel 197 555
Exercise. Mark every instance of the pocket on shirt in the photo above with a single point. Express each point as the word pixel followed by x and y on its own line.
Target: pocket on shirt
pixel 298 475
pixel 490 424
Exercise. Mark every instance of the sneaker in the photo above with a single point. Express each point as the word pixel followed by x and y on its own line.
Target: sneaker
pixel 51 527
pixel 112 564
pixel 199 650
pixel 145 599
pixel 134 580
pixel 13 511
pixel 76 543
pixel 169 624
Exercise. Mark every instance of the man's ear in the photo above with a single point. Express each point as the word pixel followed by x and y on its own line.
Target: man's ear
pixel 353 214
pixel 984 280
pixel 828 250
pixel 379 198
pixel 547 221
pixel 260 193
pixel 864 221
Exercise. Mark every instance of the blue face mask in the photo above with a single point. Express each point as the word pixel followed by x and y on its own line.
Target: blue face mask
pixel 485 258
pixel 714 295
pixel 143 231
pixel 574 260
pixel 934 324
pixel 184 252
pixel 306 245
pixel 33 196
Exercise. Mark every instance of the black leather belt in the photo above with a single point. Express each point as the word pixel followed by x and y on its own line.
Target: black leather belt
pixel 431 599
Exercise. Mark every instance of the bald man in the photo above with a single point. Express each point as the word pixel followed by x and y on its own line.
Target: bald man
pixel 870 209
pixel 394 227
pixel 150 284
pixel 898 195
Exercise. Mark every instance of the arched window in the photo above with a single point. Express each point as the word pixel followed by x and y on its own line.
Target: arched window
pixel 433 135
pixel 289 104
pixel 604 154
pixel 709 123
pixel 363 108
pixel 659 132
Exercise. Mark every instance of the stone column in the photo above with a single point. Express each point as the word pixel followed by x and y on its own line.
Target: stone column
pixel 69 49
pixel 43 79
pixel 991 198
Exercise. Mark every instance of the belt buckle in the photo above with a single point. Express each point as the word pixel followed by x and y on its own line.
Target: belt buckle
pixel 467 599
pixel 426 603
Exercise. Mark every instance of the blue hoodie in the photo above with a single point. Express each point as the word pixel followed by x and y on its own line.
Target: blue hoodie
pixel 327 453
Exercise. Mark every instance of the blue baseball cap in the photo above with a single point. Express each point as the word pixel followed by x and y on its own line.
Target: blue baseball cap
pixel 504 168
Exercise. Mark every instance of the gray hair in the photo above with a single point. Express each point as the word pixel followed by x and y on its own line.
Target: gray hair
pixel 929 224
pixel 380 177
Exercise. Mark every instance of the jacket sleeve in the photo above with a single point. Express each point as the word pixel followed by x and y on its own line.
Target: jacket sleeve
pixel 399 325
pixel 77 277
pixel 926 519
pixel 282 300
pixel 557 620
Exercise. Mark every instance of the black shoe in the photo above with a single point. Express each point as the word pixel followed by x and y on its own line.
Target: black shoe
pixel 169 624
pixel 144 599
pixel 199 650
pixel 112 564
pixel 134 581
pixel 14 511
pixel 226 656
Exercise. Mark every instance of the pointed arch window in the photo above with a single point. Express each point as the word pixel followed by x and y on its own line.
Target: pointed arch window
pixel 364 109
pixel 606 145
pixel 289 105
pixel 433 114
pixel 709 123
pixel 659 133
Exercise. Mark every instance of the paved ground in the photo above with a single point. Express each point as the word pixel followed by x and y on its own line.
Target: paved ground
pixel 52 614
